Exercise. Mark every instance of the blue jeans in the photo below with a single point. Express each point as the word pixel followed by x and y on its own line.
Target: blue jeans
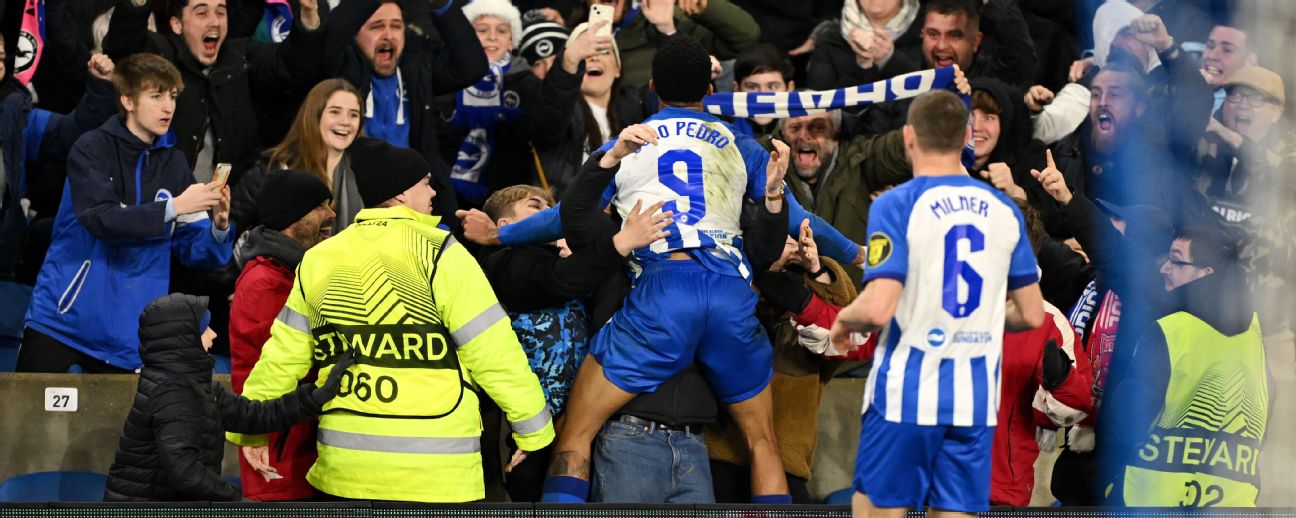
pixel 636 464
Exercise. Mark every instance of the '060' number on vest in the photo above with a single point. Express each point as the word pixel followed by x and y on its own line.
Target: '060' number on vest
pixel 384 387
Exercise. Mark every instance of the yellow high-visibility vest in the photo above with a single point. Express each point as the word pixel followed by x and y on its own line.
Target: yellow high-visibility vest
pixel 428 332
pixel 1204 447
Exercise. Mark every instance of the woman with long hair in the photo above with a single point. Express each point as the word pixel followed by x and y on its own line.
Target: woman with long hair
pixel 326 125
pixel 604 108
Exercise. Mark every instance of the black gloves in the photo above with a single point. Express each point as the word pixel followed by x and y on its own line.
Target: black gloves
pixel 1057 365
pixel 329 389
pixel 784 290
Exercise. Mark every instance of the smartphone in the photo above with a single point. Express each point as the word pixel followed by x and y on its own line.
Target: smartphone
pixel 221 176
pixel 600 12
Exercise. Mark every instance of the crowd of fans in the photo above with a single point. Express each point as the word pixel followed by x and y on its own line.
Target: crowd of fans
pixel 1151 169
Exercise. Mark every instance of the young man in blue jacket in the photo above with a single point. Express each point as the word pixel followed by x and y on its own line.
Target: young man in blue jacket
pixel 130 205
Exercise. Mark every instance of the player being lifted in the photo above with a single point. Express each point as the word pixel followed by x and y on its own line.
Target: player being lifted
pixel 944 252
pixel 692 300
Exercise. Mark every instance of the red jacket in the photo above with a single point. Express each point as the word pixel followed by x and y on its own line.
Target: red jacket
pixel 259 295
pixel 821 313
pixel 1024 403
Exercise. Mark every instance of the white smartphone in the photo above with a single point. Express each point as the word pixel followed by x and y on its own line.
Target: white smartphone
pixel 221 175
pixel 600 12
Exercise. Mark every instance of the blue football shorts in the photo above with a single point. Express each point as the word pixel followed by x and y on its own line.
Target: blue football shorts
pixel 679 313
pixel 910 465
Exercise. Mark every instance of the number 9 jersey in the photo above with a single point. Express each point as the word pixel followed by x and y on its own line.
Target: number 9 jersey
pixel 702 171
pixel 958 246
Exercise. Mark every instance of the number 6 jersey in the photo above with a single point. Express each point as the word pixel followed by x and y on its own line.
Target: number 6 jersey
pixel 958 246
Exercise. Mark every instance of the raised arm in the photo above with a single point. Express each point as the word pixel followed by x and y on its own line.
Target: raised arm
pixel 1014 52
pixel 725 29
pixel 51 139
pixel 128 31
pixel 460 61
pixel 294 62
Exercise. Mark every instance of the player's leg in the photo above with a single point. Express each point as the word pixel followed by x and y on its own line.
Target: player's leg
pixel 593 400
pixel 961 477
pixel 738 362
pixel 755 418
pixel 893 465
pixel 648 341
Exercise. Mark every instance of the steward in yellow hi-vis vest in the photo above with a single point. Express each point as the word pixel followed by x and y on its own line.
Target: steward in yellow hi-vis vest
pixel 1191 415
pixel 428 333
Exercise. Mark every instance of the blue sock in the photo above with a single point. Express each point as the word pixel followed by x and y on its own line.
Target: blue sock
pixel 772 499
pixel 567 490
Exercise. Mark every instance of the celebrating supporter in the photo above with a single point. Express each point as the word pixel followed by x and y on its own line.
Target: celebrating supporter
pixel 605 106
pixel 493 126
pixel 296 216
pixel 830 171
pixel 215 120
pixel 327 124
pixel 171 447
pixel 723 28
pixel 129 206
pixel 399 72
pixel 874 40
pixel 1226 53
pixel 761 69
pixel 1242 158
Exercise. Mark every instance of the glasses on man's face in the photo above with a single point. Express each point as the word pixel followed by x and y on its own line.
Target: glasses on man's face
pixel 815 129
pixel 1254 100
pixel 1177 263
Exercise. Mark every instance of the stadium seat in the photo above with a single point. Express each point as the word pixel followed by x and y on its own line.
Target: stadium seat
pixel 8 353
pixel 222 364
pixel 13 308
pixel 840 497
pixel 54 486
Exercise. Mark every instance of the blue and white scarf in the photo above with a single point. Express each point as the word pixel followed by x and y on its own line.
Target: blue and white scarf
pixel 480 108
pixel 782 105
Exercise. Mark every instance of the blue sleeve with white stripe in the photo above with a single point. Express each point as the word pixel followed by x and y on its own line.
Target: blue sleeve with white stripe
pixel 1022 271
pixel 544 226
pixel 888 229
pixel 831 242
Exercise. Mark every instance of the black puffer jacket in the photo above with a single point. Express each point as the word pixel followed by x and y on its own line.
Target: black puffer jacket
pixel 173 439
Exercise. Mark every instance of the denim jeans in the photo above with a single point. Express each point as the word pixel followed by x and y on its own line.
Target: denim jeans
pixel 635 464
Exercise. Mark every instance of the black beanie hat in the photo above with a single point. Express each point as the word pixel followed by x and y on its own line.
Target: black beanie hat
pixel 288 196
pixel 541 38
pixel 681 70
pixel 382 170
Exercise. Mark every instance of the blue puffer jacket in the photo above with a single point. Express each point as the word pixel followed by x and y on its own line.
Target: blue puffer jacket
pixel 112 246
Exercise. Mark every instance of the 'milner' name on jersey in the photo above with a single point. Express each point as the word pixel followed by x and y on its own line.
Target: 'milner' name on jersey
pixel 696 130
pixel 951 204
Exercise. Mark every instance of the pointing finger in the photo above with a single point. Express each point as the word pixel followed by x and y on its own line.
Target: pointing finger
pixel 1048 154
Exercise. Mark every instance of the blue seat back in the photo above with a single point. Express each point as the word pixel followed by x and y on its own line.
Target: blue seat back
pixel 54 486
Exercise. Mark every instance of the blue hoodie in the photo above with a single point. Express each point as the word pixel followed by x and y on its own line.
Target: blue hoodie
pixel 114 238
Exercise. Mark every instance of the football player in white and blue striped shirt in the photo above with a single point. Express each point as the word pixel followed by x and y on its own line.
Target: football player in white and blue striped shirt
pixel 945 251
